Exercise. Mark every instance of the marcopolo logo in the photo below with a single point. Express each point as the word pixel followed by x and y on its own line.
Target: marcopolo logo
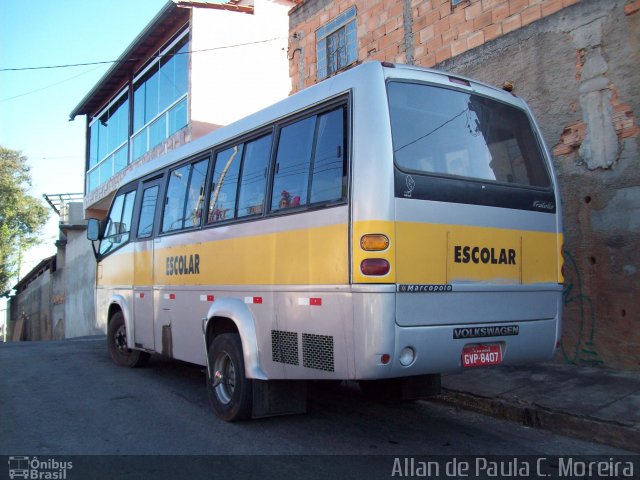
pixel 35 468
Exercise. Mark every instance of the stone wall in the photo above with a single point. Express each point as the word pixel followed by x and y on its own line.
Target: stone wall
pixel 578 70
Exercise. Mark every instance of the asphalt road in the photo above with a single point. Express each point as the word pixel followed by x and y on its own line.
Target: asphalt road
pixel 68 398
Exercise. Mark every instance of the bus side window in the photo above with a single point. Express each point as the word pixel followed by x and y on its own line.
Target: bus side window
pixel 173 215
pixel 293 160
pixel 253 183
pixel 119 223
pixel 147 211
pixel 185 197
pixel 329 172
pixel 224 188
pixel 195 194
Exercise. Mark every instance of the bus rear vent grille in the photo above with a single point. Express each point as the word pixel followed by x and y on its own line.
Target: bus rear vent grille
pixel 317 352
pixel 284 347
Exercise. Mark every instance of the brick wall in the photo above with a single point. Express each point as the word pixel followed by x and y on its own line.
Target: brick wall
pixel 423 32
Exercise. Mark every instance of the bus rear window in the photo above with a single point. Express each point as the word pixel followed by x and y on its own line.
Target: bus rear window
pixel 448 132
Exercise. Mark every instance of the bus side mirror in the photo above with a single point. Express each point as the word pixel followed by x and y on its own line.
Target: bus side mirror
pixel 93 229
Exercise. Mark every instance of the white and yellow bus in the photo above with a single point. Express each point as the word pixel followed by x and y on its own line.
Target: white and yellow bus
pixel 386 225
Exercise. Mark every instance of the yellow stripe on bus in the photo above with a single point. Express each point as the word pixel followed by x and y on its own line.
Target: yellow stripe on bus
pixel 442 254
pixel 419 253
pixel 314 256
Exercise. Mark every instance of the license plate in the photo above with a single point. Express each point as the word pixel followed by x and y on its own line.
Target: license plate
pixel 481 355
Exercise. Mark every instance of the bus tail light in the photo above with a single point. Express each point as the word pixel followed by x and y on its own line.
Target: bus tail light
pixel 374 242
pixel 375 266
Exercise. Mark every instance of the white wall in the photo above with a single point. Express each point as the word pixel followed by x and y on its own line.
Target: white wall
pixel 228 84
pixel 79 282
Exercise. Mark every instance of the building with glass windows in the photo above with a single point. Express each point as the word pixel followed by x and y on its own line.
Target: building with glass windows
pixel 197 65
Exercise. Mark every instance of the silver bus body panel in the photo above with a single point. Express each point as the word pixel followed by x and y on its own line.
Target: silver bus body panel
pixel 357 323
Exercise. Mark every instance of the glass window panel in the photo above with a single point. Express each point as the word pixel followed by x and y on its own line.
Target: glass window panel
pixel 151 96
pixel 352 42
pixel 103 138
pixel 437 130
pixel 127 212
pixel 178 116
pixel 173 216
pixel 93 144
pixel 225 185
pixel 181 64
pixel 291 179
pixel 329 165
pixel 195 195
pixel 147 211
pixel 139 107
pixel 253 184
pixel 157 131
pixel 112 130
pixel 119 223
pixel 166 86
pixel 120 158
pixel 123 122
pixel 140 144
pixel 106 169
pixel 113 224
pixel 336 51
pixel 94 179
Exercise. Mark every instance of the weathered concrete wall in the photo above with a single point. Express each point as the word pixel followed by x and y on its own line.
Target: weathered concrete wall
pixel 578 70
pixel 80 280
pixel 34 307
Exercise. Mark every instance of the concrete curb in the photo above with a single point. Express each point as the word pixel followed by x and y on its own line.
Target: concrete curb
pixel 577 426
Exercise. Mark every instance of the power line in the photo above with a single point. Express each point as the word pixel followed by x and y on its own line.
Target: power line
pixel 48 86
pixel 128 60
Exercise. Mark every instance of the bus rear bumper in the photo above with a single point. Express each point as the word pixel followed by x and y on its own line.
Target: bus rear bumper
pixel 437 351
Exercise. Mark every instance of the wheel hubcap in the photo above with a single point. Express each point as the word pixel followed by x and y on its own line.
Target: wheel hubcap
pixel 224 378
pixel 120 339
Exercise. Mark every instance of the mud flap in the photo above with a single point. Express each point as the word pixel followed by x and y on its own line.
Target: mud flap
pixel 278 397
pixel 420 386
pixel 167 341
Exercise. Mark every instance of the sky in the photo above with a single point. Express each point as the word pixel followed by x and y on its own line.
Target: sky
pixel 35 104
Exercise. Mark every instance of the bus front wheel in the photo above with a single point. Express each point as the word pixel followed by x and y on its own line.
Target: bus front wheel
pixel 117 344
pixel 230 392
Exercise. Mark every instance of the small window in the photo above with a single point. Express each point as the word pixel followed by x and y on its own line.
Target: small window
pixel 329 174
pixel 311 165
pixel 253 184
pixel 195 195
pixel 185 197
pixel 337 43
pixel 293 160
pixel 119 223
pixel 173 216
pixel 224 185
pixel 147 211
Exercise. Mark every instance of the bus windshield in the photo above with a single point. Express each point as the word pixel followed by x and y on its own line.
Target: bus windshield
pixel 448 132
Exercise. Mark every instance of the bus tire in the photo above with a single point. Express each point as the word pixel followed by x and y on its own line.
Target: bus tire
pixel 230 391
pixel 117 345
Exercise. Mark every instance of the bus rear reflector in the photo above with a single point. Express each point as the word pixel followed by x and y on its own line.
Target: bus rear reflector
pixel 374 242
pixel 375 266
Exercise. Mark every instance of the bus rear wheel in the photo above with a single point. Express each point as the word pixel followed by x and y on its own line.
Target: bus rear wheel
pixel 230 391
pixel 117 345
